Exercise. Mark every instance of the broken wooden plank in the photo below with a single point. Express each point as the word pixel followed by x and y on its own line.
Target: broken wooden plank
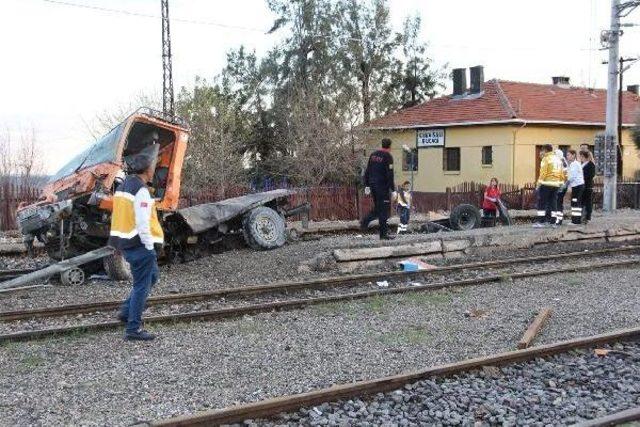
pixel 534 328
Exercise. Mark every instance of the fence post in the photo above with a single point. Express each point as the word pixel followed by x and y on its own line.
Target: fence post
pixel 448 192
pixel 522 199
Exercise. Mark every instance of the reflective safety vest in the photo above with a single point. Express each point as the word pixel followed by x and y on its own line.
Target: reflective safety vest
pixel 552 173
pixel 134 220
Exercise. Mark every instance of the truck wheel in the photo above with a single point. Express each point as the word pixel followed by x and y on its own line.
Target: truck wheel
pixel 264 228
pixel 464 217
pixel 116 267
pixel 72 277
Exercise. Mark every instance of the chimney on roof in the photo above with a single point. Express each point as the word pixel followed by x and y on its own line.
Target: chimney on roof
pixel 634 89
pixel 477 78
pixel 459 81
pixel 561 81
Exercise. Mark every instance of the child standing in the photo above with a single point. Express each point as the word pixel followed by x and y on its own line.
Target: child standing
pixel 490 202
pixel 404 206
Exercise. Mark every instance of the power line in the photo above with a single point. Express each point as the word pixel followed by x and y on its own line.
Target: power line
pixel 145 15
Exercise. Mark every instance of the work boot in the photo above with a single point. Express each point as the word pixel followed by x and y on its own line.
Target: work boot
pixel 140 335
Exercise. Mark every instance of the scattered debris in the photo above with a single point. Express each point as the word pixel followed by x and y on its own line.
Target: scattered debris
pixel 414 264
pixel 476 313
pixel 383 284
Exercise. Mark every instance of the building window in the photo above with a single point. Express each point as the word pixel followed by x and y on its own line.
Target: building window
pixel 451 159
pixel 487 155
pixel 406 160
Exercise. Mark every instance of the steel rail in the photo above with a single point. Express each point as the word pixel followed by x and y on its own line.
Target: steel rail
pixel 352 280
pixel 272 407
pixel 251 309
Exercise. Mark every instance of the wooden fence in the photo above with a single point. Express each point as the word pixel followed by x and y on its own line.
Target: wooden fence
pixel 11 195
pixel 347 202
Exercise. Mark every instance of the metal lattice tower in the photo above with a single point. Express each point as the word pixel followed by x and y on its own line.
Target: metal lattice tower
pixel 167 75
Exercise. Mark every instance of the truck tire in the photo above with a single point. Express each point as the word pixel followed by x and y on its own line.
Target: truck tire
pixel 72 277
pixel 263 229
pixel 464 217
pixel 116 267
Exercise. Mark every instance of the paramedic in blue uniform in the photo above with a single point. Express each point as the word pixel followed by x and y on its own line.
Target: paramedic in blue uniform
pixel 135 231
pixel 378 181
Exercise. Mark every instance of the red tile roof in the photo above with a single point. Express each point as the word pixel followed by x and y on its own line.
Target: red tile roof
pixel 517 102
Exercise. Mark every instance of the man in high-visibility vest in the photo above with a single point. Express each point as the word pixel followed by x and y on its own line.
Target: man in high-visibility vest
pixel 135 230
pixel 552 177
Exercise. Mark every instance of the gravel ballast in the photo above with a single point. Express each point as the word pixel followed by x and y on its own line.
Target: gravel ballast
pixel 559 390
pixel 97 379
pixel 246 267
pixel 413 283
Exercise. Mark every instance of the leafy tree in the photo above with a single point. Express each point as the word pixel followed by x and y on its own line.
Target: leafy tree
pixel 368 47
pixel 413 79
pixel 215 157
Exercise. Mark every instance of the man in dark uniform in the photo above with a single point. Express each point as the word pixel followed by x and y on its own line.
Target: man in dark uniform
pixel 378 181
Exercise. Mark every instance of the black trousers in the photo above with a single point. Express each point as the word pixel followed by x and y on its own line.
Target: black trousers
pixel 547 200
pixel 576 204
pixel 381 207
pixel 587 203
pixel 559 212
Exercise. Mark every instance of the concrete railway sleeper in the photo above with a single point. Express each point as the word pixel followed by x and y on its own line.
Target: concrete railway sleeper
pixel 340 281
pixel 280 303
pixel 561 384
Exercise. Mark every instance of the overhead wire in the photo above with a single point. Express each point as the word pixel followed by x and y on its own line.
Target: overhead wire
pixel 146 15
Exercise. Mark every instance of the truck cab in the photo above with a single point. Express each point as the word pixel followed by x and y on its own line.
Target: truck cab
pixel 74 211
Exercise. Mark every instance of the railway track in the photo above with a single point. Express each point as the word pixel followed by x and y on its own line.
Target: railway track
pixel 35 323
pixel 420 397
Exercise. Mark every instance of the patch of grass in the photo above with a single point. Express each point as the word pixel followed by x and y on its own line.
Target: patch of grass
pixel 249 327
pixel 376 304
pixel 9 346
pixel 431 298
pixel 573 280
pixel 32 361
pixel 408 336
pixel 335 309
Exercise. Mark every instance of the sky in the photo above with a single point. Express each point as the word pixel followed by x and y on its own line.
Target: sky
pixel 62 65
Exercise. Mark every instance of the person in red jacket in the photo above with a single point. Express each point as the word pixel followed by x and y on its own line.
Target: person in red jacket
pixel 490 201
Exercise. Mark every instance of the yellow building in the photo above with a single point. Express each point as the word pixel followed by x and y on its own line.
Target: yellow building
pixel 495 129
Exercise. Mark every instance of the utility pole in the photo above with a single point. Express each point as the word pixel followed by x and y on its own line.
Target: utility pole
pixel 612 39
pixel 610 144
pixel 167 74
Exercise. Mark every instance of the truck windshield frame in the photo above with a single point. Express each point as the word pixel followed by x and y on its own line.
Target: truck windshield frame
pixel 105 150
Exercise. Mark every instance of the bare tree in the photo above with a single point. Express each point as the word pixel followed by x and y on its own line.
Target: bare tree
pixel 29 161
pixel 105 120
pixel 22 163
pixel 320 149
pixel 6 156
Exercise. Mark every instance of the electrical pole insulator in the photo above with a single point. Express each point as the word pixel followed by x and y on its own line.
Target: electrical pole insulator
pixel 167 74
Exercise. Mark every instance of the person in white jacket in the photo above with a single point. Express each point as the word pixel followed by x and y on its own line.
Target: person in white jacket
pixel 575 181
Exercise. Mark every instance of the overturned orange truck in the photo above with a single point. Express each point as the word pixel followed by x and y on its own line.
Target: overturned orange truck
pixel 74 213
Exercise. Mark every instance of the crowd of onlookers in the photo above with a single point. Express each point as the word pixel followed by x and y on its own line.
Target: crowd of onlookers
pixel 558 176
